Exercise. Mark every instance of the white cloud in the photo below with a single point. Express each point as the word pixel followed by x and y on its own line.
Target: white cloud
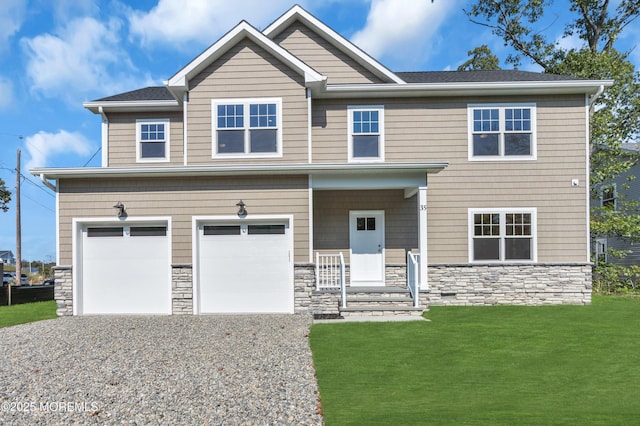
pixel 402 29
pixel 12 14
pixel 86 57
pixel 6 93
pixel 202 21
pixel 43 146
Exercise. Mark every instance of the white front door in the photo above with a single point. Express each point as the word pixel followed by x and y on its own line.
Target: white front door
pixel 366 236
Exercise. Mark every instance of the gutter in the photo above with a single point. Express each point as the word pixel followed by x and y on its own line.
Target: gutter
pixel 462 88
pixel 239 170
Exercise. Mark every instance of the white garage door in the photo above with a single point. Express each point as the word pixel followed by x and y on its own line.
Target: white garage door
pixel 245 268
pixel 125 270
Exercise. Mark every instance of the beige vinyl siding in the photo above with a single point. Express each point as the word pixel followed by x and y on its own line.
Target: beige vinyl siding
pixel 247 71
pixel 322 56
pixel 182 199
pixel 122 138
pixel 435 130
pixel 331 220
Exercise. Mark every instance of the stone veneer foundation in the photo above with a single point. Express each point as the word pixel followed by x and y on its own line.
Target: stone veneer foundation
pixel 517 284
pixel 449 285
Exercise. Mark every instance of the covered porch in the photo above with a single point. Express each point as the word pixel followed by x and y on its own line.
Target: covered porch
pixel 369 239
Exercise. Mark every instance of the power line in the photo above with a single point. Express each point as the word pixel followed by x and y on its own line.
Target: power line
pixel 94 154
pixel 37 185
pixel 38 203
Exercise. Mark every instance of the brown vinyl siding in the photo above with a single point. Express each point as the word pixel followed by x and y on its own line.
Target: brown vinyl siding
pixel 247 71
pixel 435 130
pixel 322 56
pixel 183 198
pixel 122 138
pixel 331 220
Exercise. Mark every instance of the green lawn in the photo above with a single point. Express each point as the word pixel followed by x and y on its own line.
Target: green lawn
pixel 28 312
pixel 508 365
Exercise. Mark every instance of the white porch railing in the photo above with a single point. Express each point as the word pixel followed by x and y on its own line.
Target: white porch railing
pixel 329 271
pixel 413 277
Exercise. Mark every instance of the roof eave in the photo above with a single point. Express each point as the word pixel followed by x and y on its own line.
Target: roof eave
pixel 463 89
pixel 132 106
pixel 235 170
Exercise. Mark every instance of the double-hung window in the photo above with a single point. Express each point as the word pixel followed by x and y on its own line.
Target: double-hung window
pixel 152 140
pixel 502 132
pixel 502 235
pixel 366 133
pixel 247 127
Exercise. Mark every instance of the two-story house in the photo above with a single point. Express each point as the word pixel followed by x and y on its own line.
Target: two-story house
pixel 285 170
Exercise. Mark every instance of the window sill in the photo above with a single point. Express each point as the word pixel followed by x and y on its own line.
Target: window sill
pixel 490 158
pixel 248 156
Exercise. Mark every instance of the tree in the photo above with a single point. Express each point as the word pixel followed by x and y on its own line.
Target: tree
pixel 5 196
pixel 615 118
pixel 481 59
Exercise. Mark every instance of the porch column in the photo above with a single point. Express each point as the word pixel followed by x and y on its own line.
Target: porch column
pixel 422 236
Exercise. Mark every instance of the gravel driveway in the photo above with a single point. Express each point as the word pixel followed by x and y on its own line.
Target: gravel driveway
pixel 159 370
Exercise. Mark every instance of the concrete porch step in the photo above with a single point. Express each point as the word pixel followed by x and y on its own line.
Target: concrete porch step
pixel 381 311
pixel 378 299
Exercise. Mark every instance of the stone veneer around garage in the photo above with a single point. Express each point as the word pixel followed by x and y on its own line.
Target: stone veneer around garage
pixel 63 290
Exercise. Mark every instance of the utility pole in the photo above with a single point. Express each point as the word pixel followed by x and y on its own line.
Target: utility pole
pixel 18 231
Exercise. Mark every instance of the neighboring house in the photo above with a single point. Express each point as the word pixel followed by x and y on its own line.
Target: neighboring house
pixel 274 159
pixel 6 256
pixel 627 187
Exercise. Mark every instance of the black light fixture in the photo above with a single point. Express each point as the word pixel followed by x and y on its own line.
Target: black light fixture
pixel 242 212
pixel 120 208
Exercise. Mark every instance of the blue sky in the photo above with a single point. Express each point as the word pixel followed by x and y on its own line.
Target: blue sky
pixel 54 55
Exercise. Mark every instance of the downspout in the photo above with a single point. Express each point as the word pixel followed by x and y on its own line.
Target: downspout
pixel 105 137
pixel 48 184
pixel 591 102
pixel 310 180
pixel 309 130
pixel 594 98
pixel 185 102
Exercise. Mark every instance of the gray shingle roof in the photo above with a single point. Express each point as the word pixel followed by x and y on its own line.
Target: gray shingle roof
pixel 479 76
pixel 153 93
pixel 160 93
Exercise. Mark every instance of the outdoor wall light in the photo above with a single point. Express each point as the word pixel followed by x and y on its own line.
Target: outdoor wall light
pixel 120 208
pixel 242 212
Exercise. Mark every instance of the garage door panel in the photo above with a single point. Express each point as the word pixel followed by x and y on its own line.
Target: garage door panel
pixel 246 272
pixel 125 275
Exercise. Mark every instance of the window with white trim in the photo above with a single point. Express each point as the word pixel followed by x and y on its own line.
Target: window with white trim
pixel 366 133
pixel 608 197
pixel 502 235
pixel 502 131
pixel 152 138
pixel 247 127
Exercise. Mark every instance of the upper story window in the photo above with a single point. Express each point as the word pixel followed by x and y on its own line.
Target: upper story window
pixel 502 132
pixel 366 133
pixel 608 197
pixel 247 127
pixel 502 235
pixel 152 140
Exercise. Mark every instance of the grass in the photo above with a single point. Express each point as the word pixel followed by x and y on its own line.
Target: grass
pixel 28 312
pixel 485 365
